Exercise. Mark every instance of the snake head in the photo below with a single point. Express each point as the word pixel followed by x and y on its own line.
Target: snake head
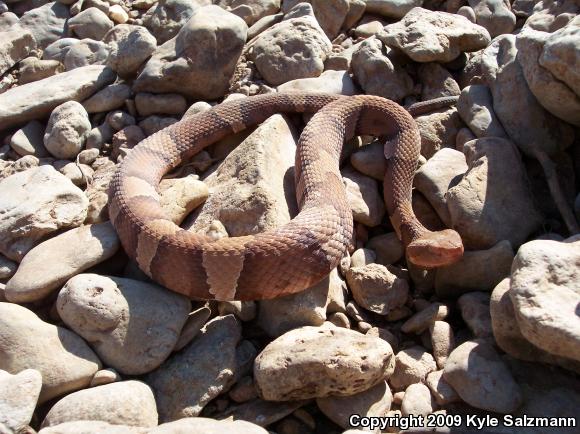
pixel 435 249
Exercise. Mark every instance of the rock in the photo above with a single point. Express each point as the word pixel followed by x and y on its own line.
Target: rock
pixel 387 247
pixel 391 8
pixel 369 160
pixel 33 69
pixel 86 52
pixel 50 264
pixel 423 319
pixel 474 307
pixel 253 10
pixel 58 49
pixel 495 15
pixel 151 124
pixel 342 361
pixel 294 48
pixel 167 104
pixel 432 36
pixel 18 396
pixel 105 376
pixel 513 102
pixel 438 129
pixel 36 100
pixel 90 23
pixel 90 427
pixel 555 402
pixel 209 66
pixel 118 14
pixel 374 402
pixel 110 98
pixel 64 360
pixel 187 381
pixel 552 93
pixel 252 190
pixel 437 82
pixel 28 140
pixel 477 270
pixel 338 82
pixel 122 403
pixel 193 325
pixel 411 366
pixel 47 23
pixel 67 130
pixel 376 289
pixel 165 19
pixel 207 426
pixel 545 293
pixel 15 46
pixel 180 196
pixel 481 378
pixel 133 326
pixel 130 47
pixel 378 73
pixel 125 140
pixel 363 196
pixel 34 204
pixel 441 172
pixel 441 389
pixel 306 308
pixel 495 167
pixel 475 107
pixel 417 400
pixel 243 310
pixel 361 257
pixel 262 413
pixel 7 268
pixel 442 341
pixel 79 174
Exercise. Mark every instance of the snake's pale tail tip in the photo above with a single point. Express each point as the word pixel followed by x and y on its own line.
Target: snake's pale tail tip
pixel 436 249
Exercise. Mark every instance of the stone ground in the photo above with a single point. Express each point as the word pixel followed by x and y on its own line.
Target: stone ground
pixel 88 344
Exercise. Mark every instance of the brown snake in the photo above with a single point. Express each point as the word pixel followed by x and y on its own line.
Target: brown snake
pixel 300 253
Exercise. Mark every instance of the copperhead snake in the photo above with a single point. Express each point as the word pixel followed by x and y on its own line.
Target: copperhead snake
pixel 300 253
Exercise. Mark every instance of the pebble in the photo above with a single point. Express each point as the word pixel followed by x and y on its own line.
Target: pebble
pixel 441 390
pixel 64 360
pixel 417 400
pixel 122 403
pixel 442 341
pixel 29 140
pixel 344 361
pixel 90 23
pixel 33 69
pixel 51 263
pixel 425 318
pixel 18 398
pixel 208 426
pixel 105 376
pixel 130 46
pixel 387 247
pixel 412 366
pixel 166 104
pixel 109 98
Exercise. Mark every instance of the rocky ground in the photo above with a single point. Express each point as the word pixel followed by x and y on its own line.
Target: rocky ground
pixel 88 344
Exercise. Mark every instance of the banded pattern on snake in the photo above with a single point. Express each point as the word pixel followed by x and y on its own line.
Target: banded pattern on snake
pixel 297 255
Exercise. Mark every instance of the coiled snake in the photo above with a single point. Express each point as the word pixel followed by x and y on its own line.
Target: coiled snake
pixel 292 257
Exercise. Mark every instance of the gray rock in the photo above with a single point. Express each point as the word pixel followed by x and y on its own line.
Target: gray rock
pixel 86 52
pixel 545 294
pixel 67 130
pixel 481 378
pixel 33 69
pixel 438 130
pixel 15 46
pixel 110 98
pixel 36 100
pixel 262 413
pixel 437 82
pixel 18 397
pixel 133 326
pixel 495 15
pixel 122 403
pixel 377 72
pixel 342 361
pixel 7 268
pixel 432 36
pixel 391 8
pixel 64 360
pixel 441 389
pixel 47 23
pixel 362 194
pixel 295 48
pixel 185 383
pixel 130 47
pixel 167 104
pixel 374 402
pixel 477 270
pixel 50 264
pixel 338 82
pixel 91 23
pixel 28 140
pixel 423 319
pixel 32 206
pixel 388 248
pixel 191 63
pixel 475 107
pixel 251 10
pixel 474 308
pixel 166 18
pixel 369 160
pixel 495 172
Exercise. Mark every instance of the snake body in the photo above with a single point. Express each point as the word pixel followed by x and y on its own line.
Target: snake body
pixel 298 254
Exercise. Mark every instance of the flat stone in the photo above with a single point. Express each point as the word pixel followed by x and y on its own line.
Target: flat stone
pixel 64 360
pixel 36 100
pixel 342 362
pixel 50 264
pixel 133 326
pixel 33 69
pixel 34 204
pixel 18 397
pixel 122 403
pixel 204 369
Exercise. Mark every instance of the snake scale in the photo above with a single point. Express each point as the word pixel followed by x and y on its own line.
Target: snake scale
pixel 300 253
